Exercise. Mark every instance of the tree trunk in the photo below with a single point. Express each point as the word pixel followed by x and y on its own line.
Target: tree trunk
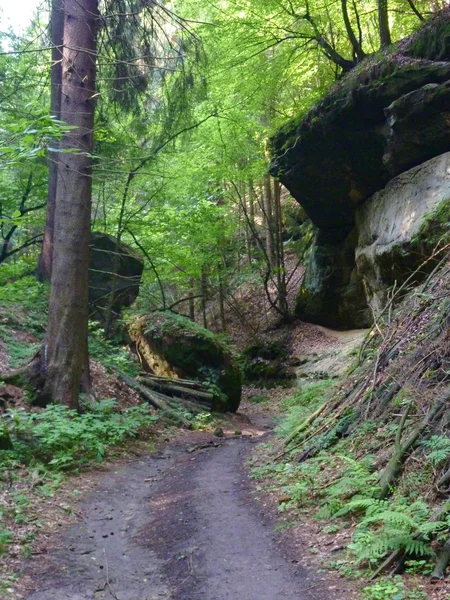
pixel 357 49
pixel 44 270
pixel 223 321
pixel 65 353
pixel 250 226
pixel 203 293
pixel 383 23
pixel 268 216
pixel 281 272
pixel 191 299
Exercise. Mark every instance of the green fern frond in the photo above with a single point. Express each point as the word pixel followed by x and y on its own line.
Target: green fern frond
pixel 391 517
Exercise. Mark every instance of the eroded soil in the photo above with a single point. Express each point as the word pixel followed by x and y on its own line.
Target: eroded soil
pixel 180 525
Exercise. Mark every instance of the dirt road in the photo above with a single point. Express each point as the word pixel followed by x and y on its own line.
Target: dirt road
pixel 179 527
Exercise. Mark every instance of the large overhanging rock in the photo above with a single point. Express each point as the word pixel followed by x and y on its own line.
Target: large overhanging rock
pixel 169 345
pixel 105 256
pixel 401 226
pixel 389 114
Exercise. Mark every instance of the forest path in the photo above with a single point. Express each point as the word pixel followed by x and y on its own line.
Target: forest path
pixel 182 527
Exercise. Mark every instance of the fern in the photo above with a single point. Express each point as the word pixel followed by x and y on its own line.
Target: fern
pixel 439 449
pixel 387 527
pixel 359 480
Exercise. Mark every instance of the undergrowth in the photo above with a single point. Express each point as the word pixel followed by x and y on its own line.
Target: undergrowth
pixel 339 484
pixel 59 438
pixel 48 445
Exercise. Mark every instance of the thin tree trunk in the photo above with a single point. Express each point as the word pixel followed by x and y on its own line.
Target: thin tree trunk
pixel 281 272
pixel 65 353
pixel 203 292
pixel 44 269
pixel 223 322
pixel 191 299
pixel 250 226
pixel 357 48
pixel 251 202
pixel 268 216
pixel 383 23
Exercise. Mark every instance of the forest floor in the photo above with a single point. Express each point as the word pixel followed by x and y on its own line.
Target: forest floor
pixel 182 523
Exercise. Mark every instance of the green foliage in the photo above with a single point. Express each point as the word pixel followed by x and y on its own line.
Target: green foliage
pixel 302 404
pixel 109 353
pixel 391 588
pixel 258 399
pixel 6 538
pixel 61 439
pixel 438 449
pixel 388 526
pixel 356 479
pixel 23 304
pixel 312 394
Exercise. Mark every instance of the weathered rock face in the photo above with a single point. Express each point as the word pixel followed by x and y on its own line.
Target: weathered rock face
pixel 101 280
pixel 399 227
pixel 172 346
pixel 389 115
pixel 267 364
pixel 332 293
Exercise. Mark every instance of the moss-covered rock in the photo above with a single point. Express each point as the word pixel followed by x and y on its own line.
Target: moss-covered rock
pixel 266 362
pixel 172 346
pixel 388 116
pixel 390 113
pixel 102 264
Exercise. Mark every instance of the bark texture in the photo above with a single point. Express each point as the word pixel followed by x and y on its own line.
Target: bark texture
pixel 65 358
pixel 383 21
pixel 44 270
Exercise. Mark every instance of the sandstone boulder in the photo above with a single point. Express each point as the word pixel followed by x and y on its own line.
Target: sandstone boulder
pixel 102 283
pixel 399 227
pixel 173 346
pixel 388 116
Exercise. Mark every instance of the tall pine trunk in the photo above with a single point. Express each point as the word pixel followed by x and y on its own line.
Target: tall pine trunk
pixel 65 355
pixel 44 270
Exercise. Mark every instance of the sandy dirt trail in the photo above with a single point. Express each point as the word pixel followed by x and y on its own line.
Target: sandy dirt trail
pixel 182 527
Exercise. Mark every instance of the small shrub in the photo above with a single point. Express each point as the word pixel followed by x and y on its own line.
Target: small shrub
pixel 6 537
pixel 438 447
pixel 391 589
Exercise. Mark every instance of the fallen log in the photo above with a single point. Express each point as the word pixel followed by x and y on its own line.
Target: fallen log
pixel 402 449
pixel 157 400
pixel 184 382
pixel 176 389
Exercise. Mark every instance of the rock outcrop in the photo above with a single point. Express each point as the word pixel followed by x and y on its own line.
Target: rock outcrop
pixel 332 292
pixel 399 227
pixel 169 345
pixel 102 283
pixel 388 116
